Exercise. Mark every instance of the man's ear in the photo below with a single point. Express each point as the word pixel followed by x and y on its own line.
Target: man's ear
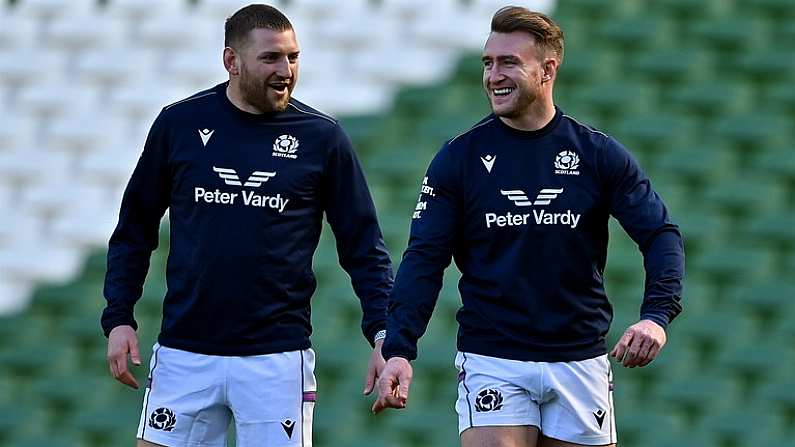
pixel 550 67
pixel 231 61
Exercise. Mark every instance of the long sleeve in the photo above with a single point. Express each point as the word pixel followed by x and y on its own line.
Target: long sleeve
pixel 642 214
pixel 145 200
pixel 430 248
pixel 360 246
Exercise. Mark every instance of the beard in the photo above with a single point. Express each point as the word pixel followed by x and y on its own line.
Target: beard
pixel 520 103
pixel 259 94
pixel 526 93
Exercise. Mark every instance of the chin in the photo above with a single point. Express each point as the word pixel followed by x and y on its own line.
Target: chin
pixel 280 106
pixel 504 112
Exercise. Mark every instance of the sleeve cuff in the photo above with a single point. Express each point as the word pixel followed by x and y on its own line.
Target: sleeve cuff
pixel 659 319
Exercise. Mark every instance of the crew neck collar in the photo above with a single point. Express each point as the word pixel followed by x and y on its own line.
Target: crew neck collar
pixel 235 110
pixel 548 127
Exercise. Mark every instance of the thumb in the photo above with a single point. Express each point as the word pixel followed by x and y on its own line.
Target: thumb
pixel 135 354
pixel 405 382
pixel 369 383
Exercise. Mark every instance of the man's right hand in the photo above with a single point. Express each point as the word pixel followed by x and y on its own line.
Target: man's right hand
pixel 122 341
pixel 393 385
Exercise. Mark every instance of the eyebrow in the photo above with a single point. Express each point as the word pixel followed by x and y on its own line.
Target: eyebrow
pixel 277 53
pixel 501 58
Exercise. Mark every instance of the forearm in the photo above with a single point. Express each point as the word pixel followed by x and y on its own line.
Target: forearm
pixel 414 297
pixel 664 264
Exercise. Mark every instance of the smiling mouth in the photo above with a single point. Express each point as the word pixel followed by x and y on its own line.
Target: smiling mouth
pixel 504 91
pixel 279 87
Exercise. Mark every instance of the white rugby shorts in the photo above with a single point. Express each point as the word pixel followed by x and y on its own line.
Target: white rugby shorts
pixel 191 399
pixel 570 401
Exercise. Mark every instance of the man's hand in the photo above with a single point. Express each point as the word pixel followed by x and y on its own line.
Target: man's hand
pixel 640 344
pixel 374 368
pixel 122 341
pixel 393 385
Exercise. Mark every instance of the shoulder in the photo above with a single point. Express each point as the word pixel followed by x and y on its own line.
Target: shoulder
pixel 303 112
pixel 454 150
pixel 584 130
pixel 467 136
pixel 194 100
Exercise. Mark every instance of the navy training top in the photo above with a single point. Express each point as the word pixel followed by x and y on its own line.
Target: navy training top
pixel 246 196
pixel 525 216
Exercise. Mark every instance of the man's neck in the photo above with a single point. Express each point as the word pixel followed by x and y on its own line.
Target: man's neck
pixel 236 98
pixel 538 115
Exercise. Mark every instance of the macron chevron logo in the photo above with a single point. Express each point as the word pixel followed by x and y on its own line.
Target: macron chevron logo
pixel 488 162
pixel 255 180
pixel 544 197
pixel 205 134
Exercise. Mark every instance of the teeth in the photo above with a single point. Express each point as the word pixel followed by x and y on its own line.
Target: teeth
pixel 502 91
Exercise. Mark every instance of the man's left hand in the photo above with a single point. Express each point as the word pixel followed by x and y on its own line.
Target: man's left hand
pixel 640 344
pixel 374 368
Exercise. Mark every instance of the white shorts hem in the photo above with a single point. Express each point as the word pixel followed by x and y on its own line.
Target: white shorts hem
pixel 169 441
pixel 579 439
pixel 500 422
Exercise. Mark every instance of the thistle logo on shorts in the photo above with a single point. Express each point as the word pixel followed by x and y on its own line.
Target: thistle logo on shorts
pixel 488 400
pixel 566 163
pixel 600 416
pixel 163 419
pixel 288 425
pixel 285 146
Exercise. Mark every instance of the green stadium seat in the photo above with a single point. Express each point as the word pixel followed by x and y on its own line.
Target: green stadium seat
pixel 774 229
pixel 359 128
pixel 767 64
pixel 785 32
pixel 468 71
pixel 28 361
pixel 594 65
pixel 743 424
pixel 733 264
pixel 733 33
pixel 767 298
pixel 99 426
pixel 700 229
pixel 750 360
pixel 755 130
pixel 752 196
pixel 779 392
pixel 670 65
pixel 706 332
pixel 777 162
pixel 631 33
pixel 635 423
pixel 610 97
pixel 782 95
pixel 683 438
pixel 696 394
pixel 20 417
pixel 774 9
pixel 63 439
pixel 658 130
pixel 695 165
pixel 711 97
pixel 688 10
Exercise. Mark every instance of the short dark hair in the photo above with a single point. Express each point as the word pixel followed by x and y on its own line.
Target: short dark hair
pixel 547 33
pixel 251 17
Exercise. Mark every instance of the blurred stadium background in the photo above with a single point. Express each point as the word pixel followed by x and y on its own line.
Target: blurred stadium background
pixel 702 91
